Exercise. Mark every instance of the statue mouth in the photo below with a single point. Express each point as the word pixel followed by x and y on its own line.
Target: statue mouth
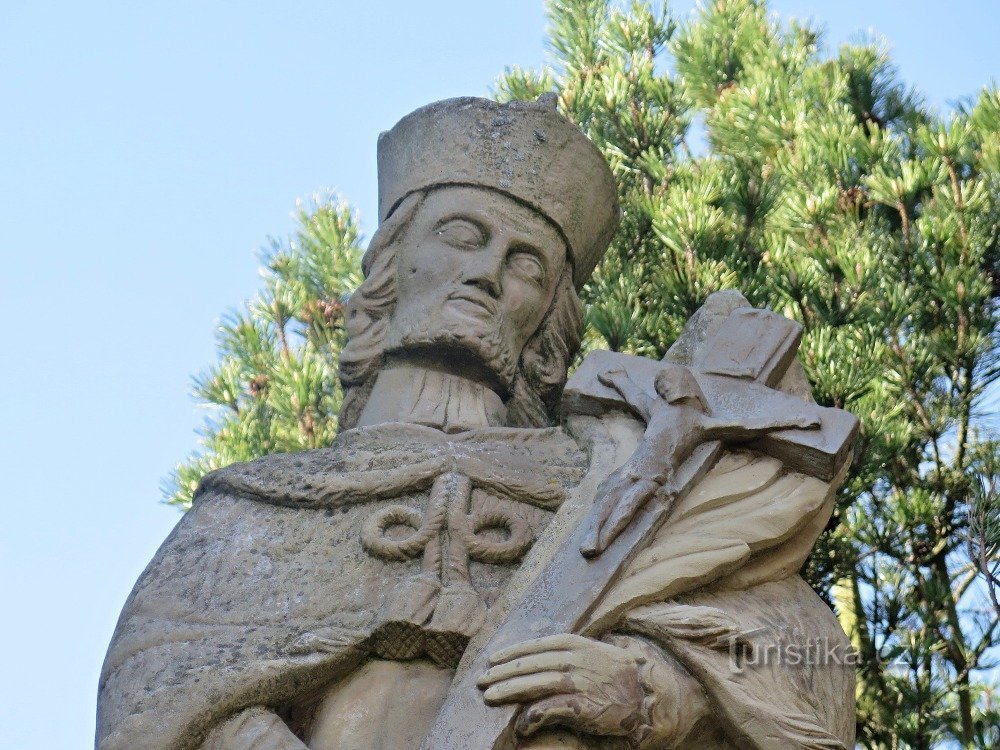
pixel 482 302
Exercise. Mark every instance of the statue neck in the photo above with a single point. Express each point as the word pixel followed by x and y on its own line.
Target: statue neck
pixel 420 395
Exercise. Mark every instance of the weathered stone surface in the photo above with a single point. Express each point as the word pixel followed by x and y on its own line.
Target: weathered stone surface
pixel 455 573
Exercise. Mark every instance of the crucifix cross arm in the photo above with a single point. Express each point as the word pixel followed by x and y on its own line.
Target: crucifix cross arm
pixel 736 372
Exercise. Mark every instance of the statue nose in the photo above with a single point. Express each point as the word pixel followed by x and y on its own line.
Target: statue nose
pixel 486 284
pixel 484 270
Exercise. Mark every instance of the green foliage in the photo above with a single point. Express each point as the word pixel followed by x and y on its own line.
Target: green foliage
pixel 275 386
pixel 818 185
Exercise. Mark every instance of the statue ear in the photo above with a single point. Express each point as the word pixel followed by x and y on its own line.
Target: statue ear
pixel 545 359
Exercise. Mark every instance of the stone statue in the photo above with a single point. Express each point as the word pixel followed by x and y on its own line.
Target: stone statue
pixel 454 572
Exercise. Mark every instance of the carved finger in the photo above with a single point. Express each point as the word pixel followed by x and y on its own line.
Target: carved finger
pixel 628 505
pixel 546 661
pixel 528 688
pixel 593 543
pixel 635 397
pixel 590 547
pixel 623 513
pixel 609 499
pixel 562 641
pixel 596 539
pixel 554 711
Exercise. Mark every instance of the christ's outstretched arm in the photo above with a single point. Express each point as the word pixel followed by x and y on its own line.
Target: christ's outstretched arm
pixel 640 402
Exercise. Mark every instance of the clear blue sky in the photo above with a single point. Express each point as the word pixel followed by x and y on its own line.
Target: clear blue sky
pixel 147 149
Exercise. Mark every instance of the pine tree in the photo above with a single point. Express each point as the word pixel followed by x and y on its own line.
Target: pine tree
pixel 817 185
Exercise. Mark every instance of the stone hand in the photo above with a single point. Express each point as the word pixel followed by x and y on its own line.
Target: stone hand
pixel 623 495
pixel 638 400
pixel 568 681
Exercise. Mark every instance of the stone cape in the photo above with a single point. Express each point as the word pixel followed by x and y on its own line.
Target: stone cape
pixel 265 593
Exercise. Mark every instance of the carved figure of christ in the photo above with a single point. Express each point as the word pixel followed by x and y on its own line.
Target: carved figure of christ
pixel 677 422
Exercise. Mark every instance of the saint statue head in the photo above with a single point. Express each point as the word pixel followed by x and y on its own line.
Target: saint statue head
pixel 491 218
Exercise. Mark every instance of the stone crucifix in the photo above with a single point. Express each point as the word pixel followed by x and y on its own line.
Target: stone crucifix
pixel 727 397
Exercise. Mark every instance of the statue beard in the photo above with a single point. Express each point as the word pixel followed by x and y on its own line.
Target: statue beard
pixel 461 346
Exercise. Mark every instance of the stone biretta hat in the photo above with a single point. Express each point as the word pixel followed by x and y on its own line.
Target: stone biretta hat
pixel 524 149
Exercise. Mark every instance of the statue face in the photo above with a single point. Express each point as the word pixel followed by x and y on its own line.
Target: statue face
pixel 476 272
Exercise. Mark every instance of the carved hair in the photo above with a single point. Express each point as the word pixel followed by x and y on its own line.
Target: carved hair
pixel 541 370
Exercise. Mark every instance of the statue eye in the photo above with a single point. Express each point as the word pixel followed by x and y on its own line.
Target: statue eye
pixel 462 234
pixel 526 265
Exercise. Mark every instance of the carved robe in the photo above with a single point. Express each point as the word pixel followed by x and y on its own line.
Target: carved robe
pixel 289 570
pixel 293 571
